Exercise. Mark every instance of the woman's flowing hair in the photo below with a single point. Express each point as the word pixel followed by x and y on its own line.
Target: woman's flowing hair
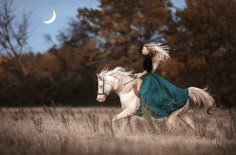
pixel 159 51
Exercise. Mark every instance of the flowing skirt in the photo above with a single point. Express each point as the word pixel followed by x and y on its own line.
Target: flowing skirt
pixel 160 96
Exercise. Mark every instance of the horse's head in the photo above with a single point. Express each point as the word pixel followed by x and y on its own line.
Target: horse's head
pixel 109 81
pixel 105 85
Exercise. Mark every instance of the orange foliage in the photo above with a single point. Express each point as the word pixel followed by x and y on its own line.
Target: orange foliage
pixel 50 63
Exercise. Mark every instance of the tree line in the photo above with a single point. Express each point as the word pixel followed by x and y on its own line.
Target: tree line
pixel 202 38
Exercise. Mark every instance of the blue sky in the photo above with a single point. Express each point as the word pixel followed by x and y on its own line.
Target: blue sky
pixel 41 10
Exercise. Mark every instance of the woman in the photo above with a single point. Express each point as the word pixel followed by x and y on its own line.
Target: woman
pixel 160 96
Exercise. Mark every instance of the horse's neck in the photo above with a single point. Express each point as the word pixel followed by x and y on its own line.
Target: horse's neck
pixel 126 93
pixel 125 85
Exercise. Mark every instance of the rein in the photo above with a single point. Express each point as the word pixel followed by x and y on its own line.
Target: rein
pixel 129 81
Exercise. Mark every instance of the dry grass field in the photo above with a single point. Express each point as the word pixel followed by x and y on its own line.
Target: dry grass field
pixel 88 131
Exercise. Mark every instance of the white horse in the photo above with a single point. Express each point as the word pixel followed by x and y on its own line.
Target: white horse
pixel 125 86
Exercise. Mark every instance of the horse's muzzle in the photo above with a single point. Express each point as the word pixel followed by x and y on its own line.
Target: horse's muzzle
pixel 101 98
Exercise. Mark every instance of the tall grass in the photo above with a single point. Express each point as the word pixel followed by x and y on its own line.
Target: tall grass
pixel 85 131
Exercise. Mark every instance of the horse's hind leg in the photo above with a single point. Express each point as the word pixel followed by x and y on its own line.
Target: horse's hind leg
pixel 172 117
pixel 185 118
pixel 170 122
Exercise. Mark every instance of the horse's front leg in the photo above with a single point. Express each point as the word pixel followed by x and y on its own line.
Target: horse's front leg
pixel 125 122
pixel 125 113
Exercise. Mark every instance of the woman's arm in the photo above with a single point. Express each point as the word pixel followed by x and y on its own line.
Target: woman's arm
pixel 139 75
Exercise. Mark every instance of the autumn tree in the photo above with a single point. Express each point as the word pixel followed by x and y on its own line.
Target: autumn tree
pixel 117 29
pixel 205 27
pixel 82 28
pixel 13 32
pixel 202 36
pixel 128 24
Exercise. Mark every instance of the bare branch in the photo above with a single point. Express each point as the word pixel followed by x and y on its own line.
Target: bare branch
pixel 14 35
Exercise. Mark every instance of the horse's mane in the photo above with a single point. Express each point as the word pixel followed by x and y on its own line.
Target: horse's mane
pixel 118 71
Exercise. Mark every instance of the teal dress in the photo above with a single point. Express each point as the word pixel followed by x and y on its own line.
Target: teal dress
pixel 159 95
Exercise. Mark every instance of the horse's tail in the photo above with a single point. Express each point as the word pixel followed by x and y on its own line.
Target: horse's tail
pixel 202 97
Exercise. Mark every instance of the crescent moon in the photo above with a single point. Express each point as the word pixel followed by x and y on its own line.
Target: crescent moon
pixel 52 19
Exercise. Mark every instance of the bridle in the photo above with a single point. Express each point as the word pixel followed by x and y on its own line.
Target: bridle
pixel 103 87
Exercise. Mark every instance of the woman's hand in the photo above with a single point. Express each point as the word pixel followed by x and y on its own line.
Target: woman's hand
pixel 138 75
